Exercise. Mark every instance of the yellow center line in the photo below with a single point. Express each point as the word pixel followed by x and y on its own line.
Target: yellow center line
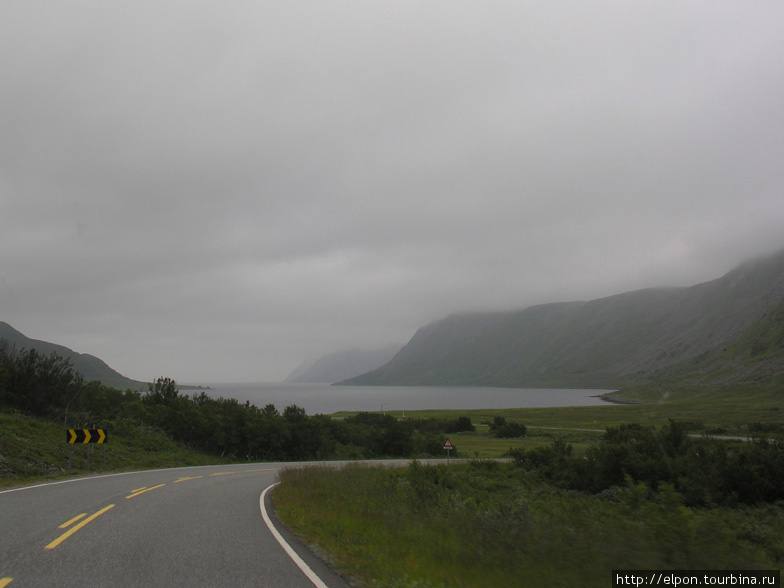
pixel 5 582
pixel 70 532
pixel 186 479
pixel 138 489
pixel 71 522
pixel 143 490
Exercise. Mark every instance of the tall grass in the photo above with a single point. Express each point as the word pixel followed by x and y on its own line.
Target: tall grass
pixel 491 524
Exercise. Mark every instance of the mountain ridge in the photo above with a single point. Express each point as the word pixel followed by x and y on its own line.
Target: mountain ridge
pixel 88 366
pixel 626 339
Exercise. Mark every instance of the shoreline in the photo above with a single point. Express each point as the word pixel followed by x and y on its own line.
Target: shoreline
pixel 618 400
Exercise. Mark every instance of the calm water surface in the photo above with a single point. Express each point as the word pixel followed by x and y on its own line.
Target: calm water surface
pixel 326 399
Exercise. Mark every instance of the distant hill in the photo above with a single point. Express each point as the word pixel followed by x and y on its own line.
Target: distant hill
pixel 342 365
pixel 89 366
pixel 731 328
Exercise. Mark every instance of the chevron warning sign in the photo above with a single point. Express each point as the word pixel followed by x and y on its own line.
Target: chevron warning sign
pixel 86 436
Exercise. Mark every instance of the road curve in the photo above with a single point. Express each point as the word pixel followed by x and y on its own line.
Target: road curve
pixel 194 527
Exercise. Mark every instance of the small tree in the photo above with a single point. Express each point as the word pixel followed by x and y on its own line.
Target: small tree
pixel 40 384
pixel 294 414
pixel 270 411
pixel 510 431
pixel 463 423
pixel 164 391
pixel 497 423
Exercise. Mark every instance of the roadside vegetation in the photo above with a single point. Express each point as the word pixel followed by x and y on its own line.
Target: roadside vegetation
pixel 41 396
pixel 638 499
pixel 588 490
pixel 34 450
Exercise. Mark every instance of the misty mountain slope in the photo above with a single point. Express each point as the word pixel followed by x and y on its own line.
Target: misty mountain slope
pixel 341 365
pixel 89 366
pixel 621 340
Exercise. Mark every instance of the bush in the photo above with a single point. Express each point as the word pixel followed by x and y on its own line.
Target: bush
pixel 704 472
pixel 510 431
pixel 503 430
pixel 460 425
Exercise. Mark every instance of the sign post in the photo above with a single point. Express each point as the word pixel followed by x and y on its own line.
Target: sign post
pixel 85 436
pixel 448 446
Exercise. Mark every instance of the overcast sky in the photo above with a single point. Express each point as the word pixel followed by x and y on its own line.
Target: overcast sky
pixel 217 191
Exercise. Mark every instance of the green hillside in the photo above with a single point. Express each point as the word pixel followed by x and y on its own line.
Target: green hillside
pixel 88 366
pixel 729 329
pixel 35 449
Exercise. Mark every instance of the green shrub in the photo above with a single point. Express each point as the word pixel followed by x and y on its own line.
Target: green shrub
pixel 704 471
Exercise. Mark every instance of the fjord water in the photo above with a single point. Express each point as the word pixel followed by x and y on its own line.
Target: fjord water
pixel 326 399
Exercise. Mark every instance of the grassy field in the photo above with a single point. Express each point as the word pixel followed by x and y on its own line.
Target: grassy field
pixel 712 411
pixel 729 409
pixel 481 445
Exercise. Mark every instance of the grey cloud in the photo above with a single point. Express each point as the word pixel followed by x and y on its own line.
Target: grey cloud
pixel 217 191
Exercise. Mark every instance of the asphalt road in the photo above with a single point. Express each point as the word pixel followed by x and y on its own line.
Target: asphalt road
pixel 195 527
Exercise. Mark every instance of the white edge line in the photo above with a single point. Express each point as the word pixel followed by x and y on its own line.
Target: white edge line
pixel 311 575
